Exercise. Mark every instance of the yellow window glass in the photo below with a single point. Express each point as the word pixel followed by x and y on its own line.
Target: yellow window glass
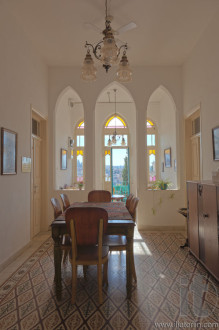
pixel 81 125
pixel 115 121
pixel 152 152
pixel 150 123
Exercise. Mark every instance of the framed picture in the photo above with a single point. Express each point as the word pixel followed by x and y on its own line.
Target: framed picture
pixel 8 151
pixel 215 140
pixel 63 159
pixel 167 157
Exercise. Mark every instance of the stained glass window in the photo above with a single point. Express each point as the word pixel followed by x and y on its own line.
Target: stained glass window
pixel 152 155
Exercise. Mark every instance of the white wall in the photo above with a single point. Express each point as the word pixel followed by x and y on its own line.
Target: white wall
pixel 145 81
pixel 23 81
pixel 63 131
pixel 200 86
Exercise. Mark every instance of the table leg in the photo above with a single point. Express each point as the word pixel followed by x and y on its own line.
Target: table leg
pixel 57 262
pixel 129 254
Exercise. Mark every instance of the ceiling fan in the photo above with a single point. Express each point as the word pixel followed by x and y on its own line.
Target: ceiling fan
pixel 109 18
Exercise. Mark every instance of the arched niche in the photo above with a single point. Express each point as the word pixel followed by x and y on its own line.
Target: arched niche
pixel 162 110
pixel 104 109
pixel 68 111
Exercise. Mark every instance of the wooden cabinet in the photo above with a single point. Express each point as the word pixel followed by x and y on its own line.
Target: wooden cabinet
pixel 203 224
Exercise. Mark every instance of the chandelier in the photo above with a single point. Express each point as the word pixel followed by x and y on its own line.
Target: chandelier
pixel 108 53
pixel 115 136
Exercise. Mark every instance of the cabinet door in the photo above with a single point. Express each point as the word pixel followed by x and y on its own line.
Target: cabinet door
pixel 208 228
pixel 193 232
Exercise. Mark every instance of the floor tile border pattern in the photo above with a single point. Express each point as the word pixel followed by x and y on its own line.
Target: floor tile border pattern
pixel 17 276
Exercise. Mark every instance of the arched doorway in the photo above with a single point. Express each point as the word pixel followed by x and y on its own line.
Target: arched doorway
pixel 69 112
pixel 124 120
pixel 161 111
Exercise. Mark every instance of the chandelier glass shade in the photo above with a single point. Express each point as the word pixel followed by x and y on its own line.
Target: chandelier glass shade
pixel 107 52
pixel 88 71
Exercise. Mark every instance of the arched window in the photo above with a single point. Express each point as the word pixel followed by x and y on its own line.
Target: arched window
pixel 152 151
pixel 78 153
pixel 115 136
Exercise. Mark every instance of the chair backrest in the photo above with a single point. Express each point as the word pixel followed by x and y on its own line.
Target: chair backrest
pixel 128 200
pixel 86 223
pixel 65 201
pixel 99 196
pixel 133 207
pixel 56 206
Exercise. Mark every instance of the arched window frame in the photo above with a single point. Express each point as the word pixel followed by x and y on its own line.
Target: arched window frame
pixel 108 133
pixel 152 149
pixel 79 147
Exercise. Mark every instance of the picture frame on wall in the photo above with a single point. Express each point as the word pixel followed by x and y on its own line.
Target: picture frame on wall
pixel 167 157
pixel 63 159
pixel 8 152
pixel 215 142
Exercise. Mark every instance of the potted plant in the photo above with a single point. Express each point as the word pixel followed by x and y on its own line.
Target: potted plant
pixel 161 184
pixel 80 185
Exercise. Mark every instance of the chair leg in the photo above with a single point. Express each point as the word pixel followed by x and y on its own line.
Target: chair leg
pixel 99 274
pixel 65 252
pixel 74 282
pixel 133 269
pixel 105 273
pixel 85 271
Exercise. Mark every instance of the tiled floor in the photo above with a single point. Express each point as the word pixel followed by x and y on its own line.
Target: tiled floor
pixel 172 288
pixel 34 245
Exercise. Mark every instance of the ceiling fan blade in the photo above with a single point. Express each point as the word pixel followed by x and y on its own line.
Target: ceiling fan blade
pixel 92 27
pixel 127 27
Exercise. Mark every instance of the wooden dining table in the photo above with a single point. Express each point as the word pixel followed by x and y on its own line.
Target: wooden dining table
pixel 119 223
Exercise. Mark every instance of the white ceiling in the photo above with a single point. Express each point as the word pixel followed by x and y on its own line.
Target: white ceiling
pixel 166 32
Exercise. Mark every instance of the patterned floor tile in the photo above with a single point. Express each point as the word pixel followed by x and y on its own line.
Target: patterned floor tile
pixel 168 280
pixel 119 321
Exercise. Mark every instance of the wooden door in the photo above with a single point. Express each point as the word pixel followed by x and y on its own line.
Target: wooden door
pixel 208 228
pixel 36 186
pixel 195 157
pixel 193 223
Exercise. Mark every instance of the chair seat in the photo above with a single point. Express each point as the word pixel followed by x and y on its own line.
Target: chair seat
pixel 89 254
pixel 115 241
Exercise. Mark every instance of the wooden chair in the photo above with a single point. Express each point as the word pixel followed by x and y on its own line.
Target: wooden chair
pixel 86 227
pixel 65 201
pixel 66 242
pixel 133 207
pixel 128 200
pixel 118 242
pixel 99 196
pixel 56 207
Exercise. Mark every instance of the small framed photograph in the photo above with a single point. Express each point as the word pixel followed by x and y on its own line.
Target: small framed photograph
pixel 167 157
pixel 63 159
pixel 215 141
pixel 25 164
pixel 162 167
pixel 8 151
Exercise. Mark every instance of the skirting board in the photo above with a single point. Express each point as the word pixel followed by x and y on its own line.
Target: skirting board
pixel 163 228
pixel 14 256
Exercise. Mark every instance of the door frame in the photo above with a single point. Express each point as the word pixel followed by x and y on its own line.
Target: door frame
pixel 195 113
pixel 34 114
